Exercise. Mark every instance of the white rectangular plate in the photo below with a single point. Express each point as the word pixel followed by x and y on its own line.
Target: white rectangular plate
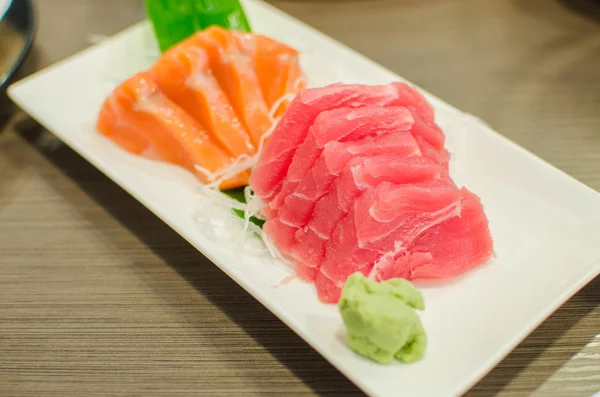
pixel 544 223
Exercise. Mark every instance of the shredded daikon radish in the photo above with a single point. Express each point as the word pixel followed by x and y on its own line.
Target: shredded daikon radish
pixel 240 164
pixel 287 97
pixel 219 224
pixel 209 175
pixel 263 139
pixel 254 204
pixel 225 227
pixel 221 198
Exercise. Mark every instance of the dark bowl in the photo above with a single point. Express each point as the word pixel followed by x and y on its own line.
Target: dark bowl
pixel 17 30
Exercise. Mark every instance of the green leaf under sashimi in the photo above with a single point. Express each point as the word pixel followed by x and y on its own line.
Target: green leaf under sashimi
pixel 238 194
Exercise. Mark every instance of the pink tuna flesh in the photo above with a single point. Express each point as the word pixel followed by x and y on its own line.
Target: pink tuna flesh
pixel 302 112
pixel 361 173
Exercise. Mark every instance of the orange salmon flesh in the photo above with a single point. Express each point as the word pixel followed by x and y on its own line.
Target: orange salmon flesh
pixel 205 102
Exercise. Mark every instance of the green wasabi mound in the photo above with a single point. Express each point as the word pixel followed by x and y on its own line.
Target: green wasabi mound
pixel 381 321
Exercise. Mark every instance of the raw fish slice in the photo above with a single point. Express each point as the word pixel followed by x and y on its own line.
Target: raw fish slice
pixel 142 120
pixel 431 140
pixel 337 266
pixel 445 250
pixel 427 131
pixel 268 175
pixel 276 66
pixel 268 213
pixel 294 83
pixel 343 124
pixel 414 100
pixel 310 153
pixel 183 73
pixel 391 216
pixel 235 74
pixel 308 253
pixel 298 209
pixel 278 201
pixel 408 209
pixel 299 205
pixel 442 157
pixel 365 173
pixel 361 173
pixel 421 207
pixel 400 266
pixel 401 144
pixel 281 235
pixel 346 124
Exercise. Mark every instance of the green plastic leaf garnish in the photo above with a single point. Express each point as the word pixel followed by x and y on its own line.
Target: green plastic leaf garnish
pixel 176 20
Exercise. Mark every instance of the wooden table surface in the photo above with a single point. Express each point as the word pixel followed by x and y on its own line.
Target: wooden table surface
pixel 99 297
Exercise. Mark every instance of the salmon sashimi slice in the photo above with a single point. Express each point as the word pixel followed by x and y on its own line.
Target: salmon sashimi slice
pixel 234 71
pixel 183 73
pixel 141 119
pixel 277 69
pixel 294 83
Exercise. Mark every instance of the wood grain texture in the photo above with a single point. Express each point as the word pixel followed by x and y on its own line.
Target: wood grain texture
pixel 99 297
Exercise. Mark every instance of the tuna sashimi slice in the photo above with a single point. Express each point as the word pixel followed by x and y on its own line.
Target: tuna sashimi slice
pixel 400 266
pixel 401 144
pixel 360 174
pixel 278 201
pixel 298 205
pixel 410 207
pixel 363 173
pixel 346 124
pixel 343 124
pixel 291 131
pixel 441 157
pixel 351 248
pixel 281 235
pixel 445 250
pixel 413 99
pixel 308 152
pixel 427 131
